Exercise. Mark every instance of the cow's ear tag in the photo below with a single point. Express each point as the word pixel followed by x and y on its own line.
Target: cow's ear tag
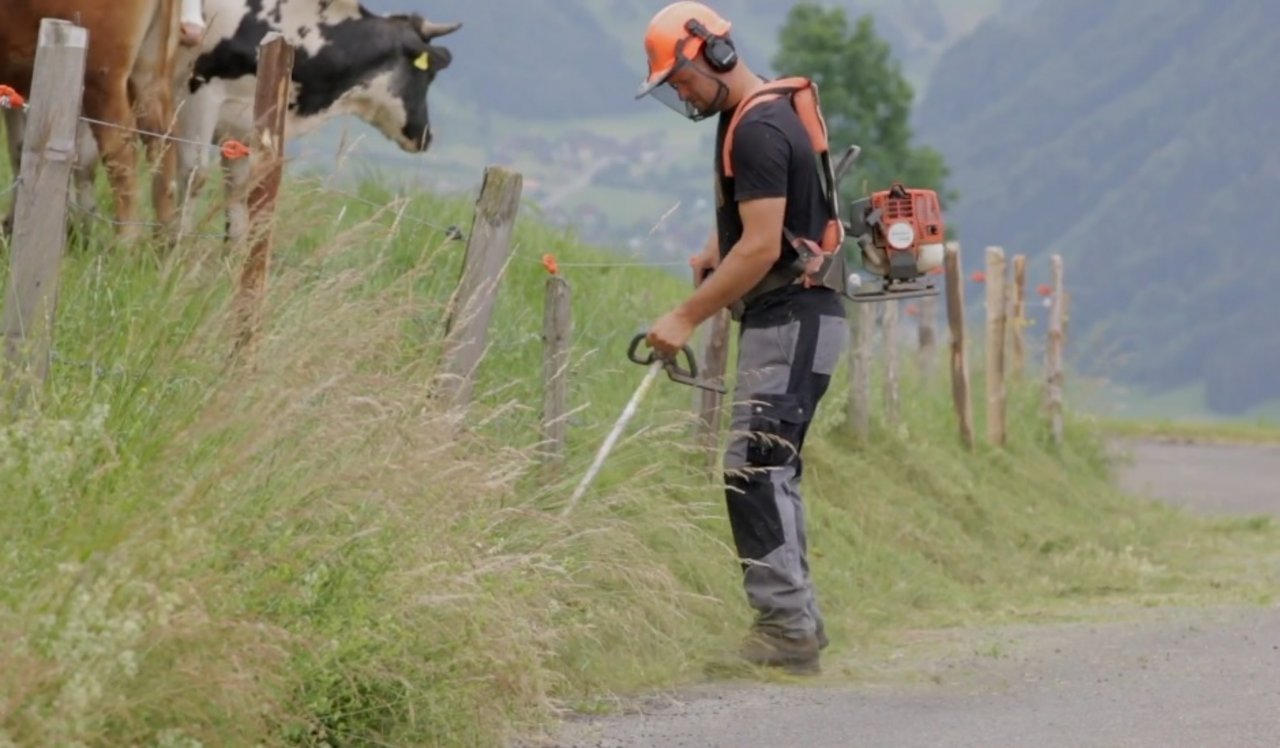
pixel 423 62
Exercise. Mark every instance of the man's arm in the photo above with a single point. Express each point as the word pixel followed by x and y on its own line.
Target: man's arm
pixel 706 260
pixel 745 265
pixel 761 154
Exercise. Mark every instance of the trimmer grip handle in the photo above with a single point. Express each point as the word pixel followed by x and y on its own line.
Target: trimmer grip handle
pixel 687 375
pixel 671 364
pixel 634 349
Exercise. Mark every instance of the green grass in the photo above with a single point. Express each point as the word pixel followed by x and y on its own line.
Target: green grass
pixel 307 548
pixel 1223 432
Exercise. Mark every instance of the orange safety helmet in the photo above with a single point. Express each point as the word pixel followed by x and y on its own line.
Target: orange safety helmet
pixel 677 35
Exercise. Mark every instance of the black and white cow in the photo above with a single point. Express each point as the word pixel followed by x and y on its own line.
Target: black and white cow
pixel 347 60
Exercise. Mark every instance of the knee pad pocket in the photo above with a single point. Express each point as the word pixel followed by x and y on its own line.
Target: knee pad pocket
pixel 775 427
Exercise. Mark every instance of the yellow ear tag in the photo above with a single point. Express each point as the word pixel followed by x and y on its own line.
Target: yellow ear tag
pixel 423 62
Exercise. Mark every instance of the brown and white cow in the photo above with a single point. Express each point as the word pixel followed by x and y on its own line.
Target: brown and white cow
pixel 132 46
pixel 191 32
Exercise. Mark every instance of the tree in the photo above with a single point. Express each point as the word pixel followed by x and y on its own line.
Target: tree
pixel 866 99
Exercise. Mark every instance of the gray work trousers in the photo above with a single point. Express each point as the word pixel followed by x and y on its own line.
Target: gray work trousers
pixel 783 372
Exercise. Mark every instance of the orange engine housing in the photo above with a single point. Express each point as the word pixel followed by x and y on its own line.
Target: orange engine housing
pixel 909 231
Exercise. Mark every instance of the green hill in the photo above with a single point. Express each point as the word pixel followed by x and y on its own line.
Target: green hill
pixel 1142 141
pixel 307 548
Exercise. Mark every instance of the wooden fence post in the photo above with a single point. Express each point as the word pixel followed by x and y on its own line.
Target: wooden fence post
pixel 889 327
pixel 488 247
pixel 1018 317
pixel 997 306
pixel 861 334
pixel 557 332
pixel 959 354
pixel 270 107
pixel 1066 313
pixel 40 218
pixel 927 336
pixel 1053 352
pixel 715 361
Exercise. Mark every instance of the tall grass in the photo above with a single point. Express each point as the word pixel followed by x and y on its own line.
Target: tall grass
pixel 307 548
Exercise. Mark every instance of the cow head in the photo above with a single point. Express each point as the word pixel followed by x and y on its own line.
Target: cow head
pixel 403 117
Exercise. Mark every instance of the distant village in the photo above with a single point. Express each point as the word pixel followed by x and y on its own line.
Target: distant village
pixel 581 159
pixel 653 209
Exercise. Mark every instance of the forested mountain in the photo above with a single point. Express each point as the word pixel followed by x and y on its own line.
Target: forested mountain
pixel 547 87
pixel 1142 141
pixel 582 58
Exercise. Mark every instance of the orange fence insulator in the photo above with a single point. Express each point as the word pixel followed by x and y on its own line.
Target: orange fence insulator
pixel 549 262
pixel 11 99
pixel 234 149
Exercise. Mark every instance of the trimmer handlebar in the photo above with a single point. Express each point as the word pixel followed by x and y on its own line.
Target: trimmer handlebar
pixel 846 163
pixel 687 376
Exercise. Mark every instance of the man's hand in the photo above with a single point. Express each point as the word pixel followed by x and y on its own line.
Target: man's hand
pixel 669 334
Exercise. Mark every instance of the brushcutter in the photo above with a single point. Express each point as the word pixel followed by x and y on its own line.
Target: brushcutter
pixel 899 232
pixel 655 364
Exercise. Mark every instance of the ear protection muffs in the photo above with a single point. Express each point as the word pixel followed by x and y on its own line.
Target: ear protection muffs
pixel 717 50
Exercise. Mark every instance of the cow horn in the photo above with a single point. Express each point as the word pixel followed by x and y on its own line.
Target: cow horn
pixel 430 30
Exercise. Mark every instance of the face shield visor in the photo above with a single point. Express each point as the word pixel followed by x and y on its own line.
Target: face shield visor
pixel 687 88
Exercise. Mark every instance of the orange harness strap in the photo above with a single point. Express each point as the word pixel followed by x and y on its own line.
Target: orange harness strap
pixel 804 100
pixel 805 103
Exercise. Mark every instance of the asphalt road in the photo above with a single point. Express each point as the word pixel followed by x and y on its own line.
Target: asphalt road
pixel 1155 678
pixel 1212 479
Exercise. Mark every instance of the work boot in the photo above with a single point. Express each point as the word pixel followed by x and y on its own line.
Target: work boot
pixel 795 656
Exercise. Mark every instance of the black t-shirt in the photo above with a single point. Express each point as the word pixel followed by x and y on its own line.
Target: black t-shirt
pixel 772 157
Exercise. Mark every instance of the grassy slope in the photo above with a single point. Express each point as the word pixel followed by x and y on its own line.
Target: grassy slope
pixel 1196 431
pixel 310 550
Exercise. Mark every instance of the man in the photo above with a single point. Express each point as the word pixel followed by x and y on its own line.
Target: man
pixel 792 334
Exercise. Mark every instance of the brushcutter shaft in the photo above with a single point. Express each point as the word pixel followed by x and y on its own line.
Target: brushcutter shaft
pixel 612 439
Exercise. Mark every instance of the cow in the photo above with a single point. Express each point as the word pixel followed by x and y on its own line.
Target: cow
pixel 347 60
pixel 191 23
pixel 127 85
pixel 191 30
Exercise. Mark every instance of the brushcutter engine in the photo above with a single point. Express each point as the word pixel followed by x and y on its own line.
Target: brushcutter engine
pixel 900 232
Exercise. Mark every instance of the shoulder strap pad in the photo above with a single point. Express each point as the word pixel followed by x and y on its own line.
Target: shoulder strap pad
pixel 804 99
pixel 822 252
